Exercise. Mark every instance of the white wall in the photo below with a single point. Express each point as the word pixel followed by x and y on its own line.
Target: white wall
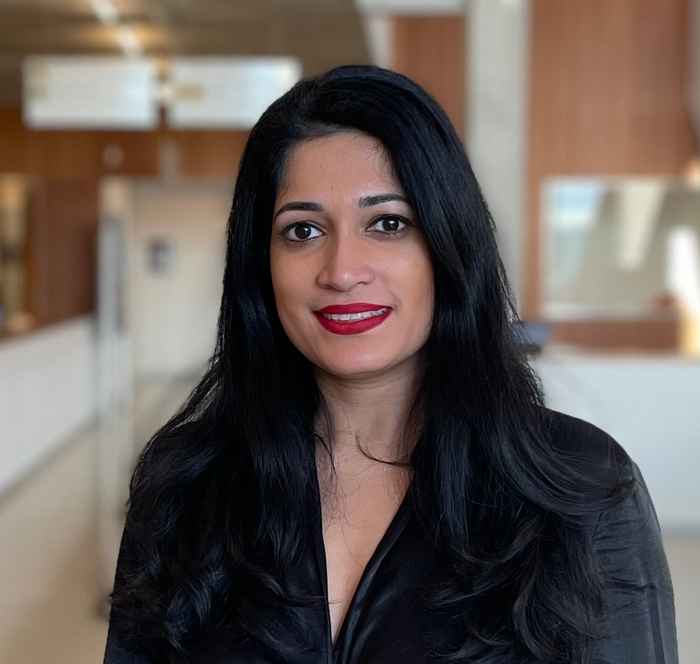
pixel 173 315
pixel 651 406
pixel 47 393
pixel 497 82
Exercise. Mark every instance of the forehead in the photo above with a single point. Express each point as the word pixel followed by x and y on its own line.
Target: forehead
pixel 341 161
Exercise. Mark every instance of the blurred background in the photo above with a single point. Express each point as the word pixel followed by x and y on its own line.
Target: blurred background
pixel 121 126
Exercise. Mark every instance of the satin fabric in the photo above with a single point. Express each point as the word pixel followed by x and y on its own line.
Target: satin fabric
pixel 385 622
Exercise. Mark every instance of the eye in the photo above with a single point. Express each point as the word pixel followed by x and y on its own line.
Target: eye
pixel 393 224
pixel 293 228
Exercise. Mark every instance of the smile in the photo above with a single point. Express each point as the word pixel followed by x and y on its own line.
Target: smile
pixel 358 316
pixel 353 323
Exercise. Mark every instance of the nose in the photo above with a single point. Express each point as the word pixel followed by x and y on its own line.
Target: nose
pixel 345 263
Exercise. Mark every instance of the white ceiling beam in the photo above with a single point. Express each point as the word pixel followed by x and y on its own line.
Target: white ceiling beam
pixel 412 7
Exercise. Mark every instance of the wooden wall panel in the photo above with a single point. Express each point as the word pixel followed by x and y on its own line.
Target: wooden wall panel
pixel 431 50
pixel 65 154
pixel 664 335
pixel 211 153
pixel 608 95
pixel 62 236
pixel 62 233
pixel 12 142
pixel 130 153
pixel 89 154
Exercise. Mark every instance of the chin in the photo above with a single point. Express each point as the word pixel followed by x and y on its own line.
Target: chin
pixel 355 367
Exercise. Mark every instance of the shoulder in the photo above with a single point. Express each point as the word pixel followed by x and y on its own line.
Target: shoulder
pixel 631 521
pixel 583 442
pixel 606 474
pixel 627 545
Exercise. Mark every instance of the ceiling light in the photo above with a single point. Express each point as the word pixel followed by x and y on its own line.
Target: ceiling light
pixel 105 11
pixel 129 41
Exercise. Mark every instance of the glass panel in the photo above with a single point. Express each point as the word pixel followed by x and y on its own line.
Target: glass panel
pixel 620 247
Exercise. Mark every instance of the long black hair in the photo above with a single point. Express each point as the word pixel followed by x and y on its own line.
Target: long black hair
pixel 220 498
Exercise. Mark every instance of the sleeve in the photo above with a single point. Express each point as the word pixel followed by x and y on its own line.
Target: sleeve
pixel 116 651
pixel 641 625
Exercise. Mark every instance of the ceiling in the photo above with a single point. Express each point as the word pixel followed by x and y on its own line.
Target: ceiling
pixel 321 33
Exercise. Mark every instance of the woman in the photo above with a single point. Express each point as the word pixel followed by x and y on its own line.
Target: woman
pixel 367 473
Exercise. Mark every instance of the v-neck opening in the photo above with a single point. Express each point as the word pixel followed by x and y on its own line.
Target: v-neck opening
pixel 393 530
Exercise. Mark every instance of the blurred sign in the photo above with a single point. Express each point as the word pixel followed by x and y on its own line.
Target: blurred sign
pixel 226 91
pixel 161 252
pixel 95 92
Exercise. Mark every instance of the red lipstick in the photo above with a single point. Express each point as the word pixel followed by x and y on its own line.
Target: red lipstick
pixel 352 326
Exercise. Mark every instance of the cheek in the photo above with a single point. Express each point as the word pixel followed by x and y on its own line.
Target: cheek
pixel 279 273
pixel 286 284
pixel 420 276
pixel 279 287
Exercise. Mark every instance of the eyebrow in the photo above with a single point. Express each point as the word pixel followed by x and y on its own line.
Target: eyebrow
pixel 364 201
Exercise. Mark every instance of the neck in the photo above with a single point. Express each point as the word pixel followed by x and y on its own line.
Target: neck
pixel 369 412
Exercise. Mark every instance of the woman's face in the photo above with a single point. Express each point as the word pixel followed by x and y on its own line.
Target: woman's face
pixel 343 234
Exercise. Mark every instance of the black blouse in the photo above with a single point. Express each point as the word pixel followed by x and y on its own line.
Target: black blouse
pixel 385 622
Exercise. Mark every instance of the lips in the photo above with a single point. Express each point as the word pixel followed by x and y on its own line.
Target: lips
pixel 344 327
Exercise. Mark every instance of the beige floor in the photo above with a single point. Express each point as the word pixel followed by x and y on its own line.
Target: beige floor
pixel 51 585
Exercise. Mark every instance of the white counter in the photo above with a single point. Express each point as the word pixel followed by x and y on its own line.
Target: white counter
pixel 47 393
pixel 651 405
